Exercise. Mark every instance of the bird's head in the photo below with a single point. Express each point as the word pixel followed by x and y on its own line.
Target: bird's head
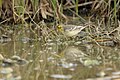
pixel 60 28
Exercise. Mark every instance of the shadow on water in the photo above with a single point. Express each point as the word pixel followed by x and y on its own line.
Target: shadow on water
pixel 58 61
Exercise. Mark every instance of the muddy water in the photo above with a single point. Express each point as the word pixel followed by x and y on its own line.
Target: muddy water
pixel 24 60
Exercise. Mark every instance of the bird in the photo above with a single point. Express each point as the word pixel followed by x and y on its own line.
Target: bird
pixel 72 53
pixel 70 30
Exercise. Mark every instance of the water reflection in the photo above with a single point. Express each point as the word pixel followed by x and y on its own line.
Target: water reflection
pixel 59 60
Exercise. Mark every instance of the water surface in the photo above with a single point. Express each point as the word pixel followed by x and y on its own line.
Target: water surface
pixel 56 60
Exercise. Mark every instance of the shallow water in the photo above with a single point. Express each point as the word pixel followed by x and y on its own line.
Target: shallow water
pixel 56 60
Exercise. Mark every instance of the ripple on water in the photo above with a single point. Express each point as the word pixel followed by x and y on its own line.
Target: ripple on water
pixel 61 76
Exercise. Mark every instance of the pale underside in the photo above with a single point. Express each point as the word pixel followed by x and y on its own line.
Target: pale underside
pixel 73 30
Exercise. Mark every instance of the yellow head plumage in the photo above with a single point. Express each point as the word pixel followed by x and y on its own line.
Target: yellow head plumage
pixel 60 28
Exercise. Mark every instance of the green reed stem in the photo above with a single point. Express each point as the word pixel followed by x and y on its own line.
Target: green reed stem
pixel 76 8
pixel 115 11
pixel 54 4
